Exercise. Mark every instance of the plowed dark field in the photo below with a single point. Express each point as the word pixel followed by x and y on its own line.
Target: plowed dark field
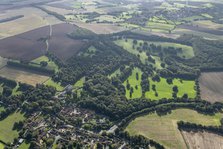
pixel 31 44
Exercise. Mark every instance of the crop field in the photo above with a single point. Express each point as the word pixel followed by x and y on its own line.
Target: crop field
pixel 208 24
pixel 25 46
pixel 165 90
pixel 33 20
pixel 60 44
pixel 23 76
pixel 211 86
pixel 203 140
pixel 133 81
pixel 101 28
pixel 6 125
pixel 163 129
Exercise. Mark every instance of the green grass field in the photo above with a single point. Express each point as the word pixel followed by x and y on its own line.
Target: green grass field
pixel 163 129
pixel 50 65
pixel 2 146
pixel 114 74
pixel 6 125
pixel 78 85
pixel 164 90
pixel 133 83
pixel 24 145
pixel 128 47
pixel 187 51
pixel 1 109
pixel 58 86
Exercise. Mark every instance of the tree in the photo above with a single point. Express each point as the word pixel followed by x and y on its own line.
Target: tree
pixel 7 91
pixel 175 89
pixel 43 63
pixel 137 76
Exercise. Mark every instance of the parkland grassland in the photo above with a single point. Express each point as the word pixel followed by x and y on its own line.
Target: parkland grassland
pixel 111 74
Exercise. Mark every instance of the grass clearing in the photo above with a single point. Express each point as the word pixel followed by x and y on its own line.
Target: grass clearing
pixel 137 93
pixel 24 145
pixel 128 46
pixel 163 129
pixel 165 90
pixel 79 85
pixel 51 64
pixel 58 86
pixel 187 51
pixel 6 125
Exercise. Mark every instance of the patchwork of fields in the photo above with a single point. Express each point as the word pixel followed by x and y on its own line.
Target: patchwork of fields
pixel 163 129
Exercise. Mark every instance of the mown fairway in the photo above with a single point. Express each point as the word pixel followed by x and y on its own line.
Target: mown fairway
pixel 163 129
pixel 165 90
pixel 133 81
pixel 6 125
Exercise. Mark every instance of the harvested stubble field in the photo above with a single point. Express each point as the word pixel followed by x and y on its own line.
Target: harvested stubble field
pixel 24 76
pixel 211 86
pixel 32 20
pixel 203 140
pixel 100 28
pixel 163 129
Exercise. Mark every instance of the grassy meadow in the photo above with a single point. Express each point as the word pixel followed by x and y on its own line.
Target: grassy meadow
pixel 6 125
pixel 137 93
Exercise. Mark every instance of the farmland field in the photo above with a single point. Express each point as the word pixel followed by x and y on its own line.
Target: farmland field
pixel 164 90
pixel 33 20
pixel 100 28
pixel 26 46
pixel 137 91
pixel 204 140
pixel 23 76
pixel 60 44
pixel 211 86
pixel 163 129
pixel 6 125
